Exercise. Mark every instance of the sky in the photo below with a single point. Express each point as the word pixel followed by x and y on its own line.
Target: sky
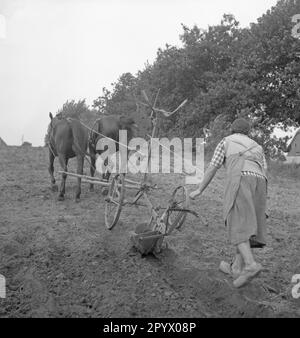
pixel 52 51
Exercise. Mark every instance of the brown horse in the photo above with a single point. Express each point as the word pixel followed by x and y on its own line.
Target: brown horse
pixel 67 138
pixel 108 126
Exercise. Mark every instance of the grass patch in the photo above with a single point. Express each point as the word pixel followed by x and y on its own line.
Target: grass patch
pixel 284 170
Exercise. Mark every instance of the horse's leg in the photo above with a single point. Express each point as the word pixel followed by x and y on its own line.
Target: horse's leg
pixel 51 171
pixel 105 176
pixel 80 161
pixel 64 164
pixel 92 167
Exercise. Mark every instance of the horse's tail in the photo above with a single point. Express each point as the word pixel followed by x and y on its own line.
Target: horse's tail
pixel 83 152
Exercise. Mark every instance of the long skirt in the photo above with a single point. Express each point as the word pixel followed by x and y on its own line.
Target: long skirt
pixel 247 218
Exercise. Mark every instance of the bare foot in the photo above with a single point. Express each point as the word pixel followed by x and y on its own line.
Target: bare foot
pixel 247 274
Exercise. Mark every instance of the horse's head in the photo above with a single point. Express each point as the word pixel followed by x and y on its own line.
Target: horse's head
pixel 53 123
pixel 128 123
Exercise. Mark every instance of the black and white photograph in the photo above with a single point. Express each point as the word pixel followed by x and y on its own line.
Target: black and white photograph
pixel 149 162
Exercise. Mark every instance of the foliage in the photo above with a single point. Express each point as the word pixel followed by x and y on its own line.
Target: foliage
pixel 221 71
pixel 120 100
pixel 76 110
pixel 73 109
pixel 26 144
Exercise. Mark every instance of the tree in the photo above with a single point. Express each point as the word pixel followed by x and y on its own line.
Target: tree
pixel 222 70
pixel 74 109
pixel 119 101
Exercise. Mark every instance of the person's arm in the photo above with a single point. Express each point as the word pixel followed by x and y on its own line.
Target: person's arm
pixel 216 162
pixel 208 176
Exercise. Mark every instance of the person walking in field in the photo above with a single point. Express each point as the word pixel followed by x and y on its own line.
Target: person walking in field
pixel 244 199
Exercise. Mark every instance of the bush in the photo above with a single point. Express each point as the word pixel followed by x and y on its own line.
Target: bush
pixel 26 144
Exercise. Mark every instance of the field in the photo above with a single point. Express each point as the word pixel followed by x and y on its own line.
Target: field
pixel 59 260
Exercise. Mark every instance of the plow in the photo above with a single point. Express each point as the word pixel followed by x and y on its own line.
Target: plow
pixel 147 237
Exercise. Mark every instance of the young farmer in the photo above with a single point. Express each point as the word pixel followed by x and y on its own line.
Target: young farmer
pixel 244 198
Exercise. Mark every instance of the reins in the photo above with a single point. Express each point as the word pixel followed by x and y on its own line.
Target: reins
pixel 91 141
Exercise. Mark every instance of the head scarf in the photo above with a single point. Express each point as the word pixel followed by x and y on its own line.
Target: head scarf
pixel 241 126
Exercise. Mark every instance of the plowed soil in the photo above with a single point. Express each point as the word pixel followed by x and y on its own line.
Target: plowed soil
pixel 59 260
